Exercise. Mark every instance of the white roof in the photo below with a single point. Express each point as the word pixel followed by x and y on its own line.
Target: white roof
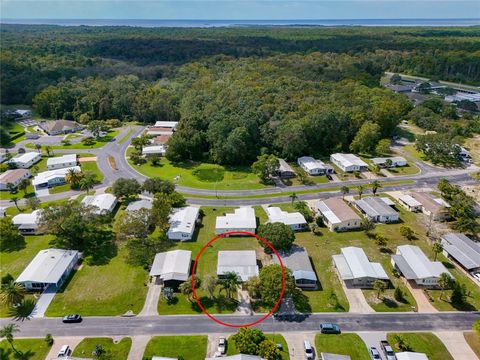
pixel 166 124
pixel 462 249
pixel 27 219
pixel 172 265
pixel 358 265
pixel 104 202
pixel 310 163
pixel 441 202
pixel 48 266
pixel 24 158
pixel 140 204
pixel 394 159
pixel 68 158
pixel 241 262
pixel 183 220
pixel 410 356
pixel 275 214
pixel 45 176
pixel 243 217
pixel 156 149
pixel 409 200
pixel 415 263
pixel 349 159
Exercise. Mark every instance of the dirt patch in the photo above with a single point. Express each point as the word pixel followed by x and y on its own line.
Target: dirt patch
pixel 87 159
pixel 112 163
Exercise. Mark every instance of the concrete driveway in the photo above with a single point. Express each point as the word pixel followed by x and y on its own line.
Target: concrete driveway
pixel 295 344
pixel 59 341
pixel 357 301
pixel 423 304
pixel 456 345
pixel 372 339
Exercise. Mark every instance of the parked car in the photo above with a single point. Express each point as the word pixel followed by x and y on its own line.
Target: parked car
pixel 329 177
pixel 308 349
pixel 330 329
pixel 64 351
pixel 476 276
pixel 374 354
pixel 222 345
pixel 72 318
pixel 387 350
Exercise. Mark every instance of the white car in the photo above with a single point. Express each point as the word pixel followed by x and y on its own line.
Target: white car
pixel 64 351
pixel 476 276
pixel 222 345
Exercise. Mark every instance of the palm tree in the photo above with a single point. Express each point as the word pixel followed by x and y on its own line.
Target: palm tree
pixel 380 287
pixel 14 199
pixel 23 185
pixel 139 142
pixel 445 282
pixel 12 293
pixel 10 187
pixel 87 182
pixel 49 150
pixel 73 177
pixel 38 147
pixel 345 190
pixel 7 332
pixel 209 284
pixel 375 186
pixel 293 196
pixel 186 289
pixel 437 248
pixel 360 190
pixel 229 283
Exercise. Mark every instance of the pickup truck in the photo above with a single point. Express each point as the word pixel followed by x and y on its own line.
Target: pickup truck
pixel 387 349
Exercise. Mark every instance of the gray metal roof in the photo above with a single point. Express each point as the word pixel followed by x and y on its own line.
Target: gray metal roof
pixel 462 249
pixel 298 261
pixel 374 206
pixel 172 265
pixel 140 204
pixel 241 262
pixel 414 264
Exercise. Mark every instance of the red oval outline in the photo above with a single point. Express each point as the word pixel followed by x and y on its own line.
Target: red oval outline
pixel 195 267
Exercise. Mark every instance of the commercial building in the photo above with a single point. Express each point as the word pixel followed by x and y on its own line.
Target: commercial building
pixel 171 268
pixel 53 177
pixel 13 177
pixel 27 224
pixel 463 250
pixel 410 203
pixel 355 269
pixel 298 261
pixel 414 265
pixel 396 161
pixel 102 204
pixel 313 166
pixel 348 162
pixel 241 262
pixel 295 219
pixel 432 206
pixel 60 162
pixel 377 209
pixel 337 215
pixel 49 267
pixel 182 223
pixel 25 160
pixel 243 219
pixel 284 170
pixel 56 127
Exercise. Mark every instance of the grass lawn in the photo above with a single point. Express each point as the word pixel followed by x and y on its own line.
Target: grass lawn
pixel 277 339
pixel 426 343
pixel 410 169
pixel 189 347
pixel 411 150
pixel 208 261
pixel 110 289
pixel 201 175
pixel 344 344
pixel 473 340
pixel 33 349
pixel 92 166
pixel 116 350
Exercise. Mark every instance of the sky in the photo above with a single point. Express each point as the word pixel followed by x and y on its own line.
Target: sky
pixel 239 9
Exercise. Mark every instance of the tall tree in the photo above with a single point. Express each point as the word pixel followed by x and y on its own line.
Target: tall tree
pixel 126 188
pixel 437 248
pixel 265 167
pixel 12 293
pixel 445 282
pixel 209 284
pixel 375 186
pixel 8 332
pixel 345 190
pixel 10 238
pixel 360 191
pixel 279 235
pixel 379 286
pixel 366 139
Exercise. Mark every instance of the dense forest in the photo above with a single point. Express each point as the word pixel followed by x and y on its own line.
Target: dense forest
pixel 238 92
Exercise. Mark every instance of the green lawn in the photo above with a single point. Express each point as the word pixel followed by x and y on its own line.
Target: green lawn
pixel 277 339
pixel 92 166
pixel 412 151
pixel 410 169
pixel 344 344
pixel 426 343
pixel 201 175
pixel 110 289
pixel 473 340
pixel 189 347
pixel 33 349
pixel 116 350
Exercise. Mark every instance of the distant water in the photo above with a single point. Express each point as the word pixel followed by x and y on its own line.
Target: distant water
pixel 242 23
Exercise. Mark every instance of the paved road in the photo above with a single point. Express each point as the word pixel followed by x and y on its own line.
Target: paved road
pixel 201 324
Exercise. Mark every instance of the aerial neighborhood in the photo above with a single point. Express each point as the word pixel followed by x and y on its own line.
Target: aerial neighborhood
pixel 162 199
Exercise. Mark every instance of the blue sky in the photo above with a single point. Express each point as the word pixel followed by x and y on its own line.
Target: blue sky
pixel 239 9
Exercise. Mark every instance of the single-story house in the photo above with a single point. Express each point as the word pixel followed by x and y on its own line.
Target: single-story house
pixel 182 223
pixel 49 267
pixel 60 162
pixel 414 265
pixel 348 162
pixel 23 113
pixel 432 206
pixel 241 262
pixel 400 88
pixel 355 269
pixel 330 356
pixel 52 177
pixel 408 355
pixel 162 128
pixel 409 202
pixel 154 150
pixel 27 223
pixel 295 219
pixel 25 160
pixel 297 260
pixel 397 161
pixel 377 209
pixel 237 357
pixel 13 177
pixel 463 250
pixel 103 203
pixel 56 127
pixel 243 219
pixel 284 170
pixel 171 268
pixel 160 140
pixel 313 166
pixel 337 215
pixel 167 124
pixel 140 204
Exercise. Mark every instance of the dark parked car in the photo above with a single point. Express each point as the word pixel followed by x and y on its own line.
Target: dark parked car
pixel 329 177
pixel 73 318
pixel 330 329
